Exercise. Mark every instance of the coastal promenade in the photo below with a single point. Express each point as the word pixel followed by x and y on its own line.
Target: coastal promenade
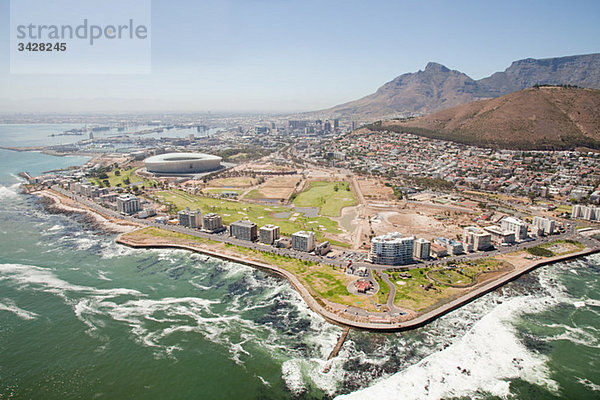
pixel 382 324
pixel 376 321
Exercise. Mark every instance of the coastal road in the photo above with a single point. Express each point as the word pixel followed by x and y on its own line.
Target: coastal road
pixel 338 263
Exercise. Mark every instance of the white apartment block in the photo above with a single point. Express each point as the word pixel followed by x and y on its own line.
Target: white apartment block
pixel 588 213
pixel 515 225
pixel 190 218
pixel 392 249
pixel 477 238
pixel 303 241
pixel 128 204
pixel 268 234
pixel 422 249
pixel 546 225
pixel 212 222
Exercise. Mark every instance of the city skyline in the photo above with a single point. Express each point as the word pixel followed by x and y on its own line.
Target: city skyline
pixel 288 56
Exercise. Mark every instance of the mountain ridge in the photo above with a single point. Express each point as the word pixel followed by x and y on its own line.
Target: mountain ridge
pixel 438 87
pixel 539 118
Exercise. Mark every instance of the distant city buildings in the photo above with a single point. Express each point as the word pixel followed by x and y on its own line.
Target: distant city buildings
pixel 244 230
pixel 268 234
pixel 128 204
pixel 190 218
pixel 392 249
pixel 303 241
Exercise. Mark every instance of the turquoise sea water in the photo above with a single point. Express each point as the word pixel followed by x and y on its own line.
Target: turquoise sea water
pixel 82 317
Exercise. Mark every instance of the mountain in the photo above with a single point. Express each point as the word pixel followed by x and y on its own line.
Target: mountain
pixel 541 118
pixel 438 87
pixel 434 88
pixel 582 71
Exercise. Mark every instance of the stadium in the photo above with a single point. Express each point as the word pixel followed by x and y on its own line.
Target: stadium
pixel 182 163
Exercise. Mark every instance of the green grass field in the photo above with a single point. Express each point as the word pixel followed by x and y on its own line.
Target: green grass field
pixel 412 294
pixel 451 277
pixel 383 293
pixel 330 197
pixel 254 194
pixel 564 208
pixel 231 211
pixel 125 173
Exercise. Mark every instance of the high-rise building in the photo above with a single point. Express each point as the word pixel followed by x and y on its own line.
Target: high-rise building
pixel 589 213
pixel 392 249
pixel 546 225
pixel 269 234
pixel 128 204
pixel 515 225
pixel 212 222
pixel 190 218
pixel 422 249
pixel 244 230
pixel 477 238
pixel 303 241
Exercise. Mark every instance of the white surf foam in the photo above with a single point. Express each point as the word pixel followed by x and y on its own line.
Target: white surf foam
pixel 9 305
pixel 483 360
pixel 9 192
pixel 44 279
pixel 589 384
pixel 489 354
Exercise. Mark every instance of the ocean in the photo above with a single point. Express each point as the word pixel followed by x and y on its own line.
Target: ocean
pixel 83 317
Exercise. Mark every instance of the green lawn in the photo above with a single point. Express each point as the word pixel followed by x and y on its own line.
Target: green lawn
pixel 330 197
pixel 564 208
pixel 411 294
pixel 383 293
pixel 451 277
pixel 254 194
pixel 231 211
pixel 156 232
pixel 124 173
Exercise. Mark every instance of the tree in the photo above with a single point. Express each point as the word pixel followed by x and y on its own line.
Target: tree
pixel 117 173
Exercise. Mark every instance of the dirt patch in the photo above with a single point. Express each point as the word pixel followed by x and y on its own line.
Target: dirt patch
pixel 279 187
pixel 421 222
pixel 375 190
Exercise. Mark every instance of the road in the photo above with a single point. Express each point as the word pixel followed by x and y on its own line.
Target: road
pixel 225 238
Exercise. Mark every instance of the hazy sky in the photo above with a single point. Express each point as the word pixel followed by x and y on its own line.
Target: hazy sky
pixel 300 55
